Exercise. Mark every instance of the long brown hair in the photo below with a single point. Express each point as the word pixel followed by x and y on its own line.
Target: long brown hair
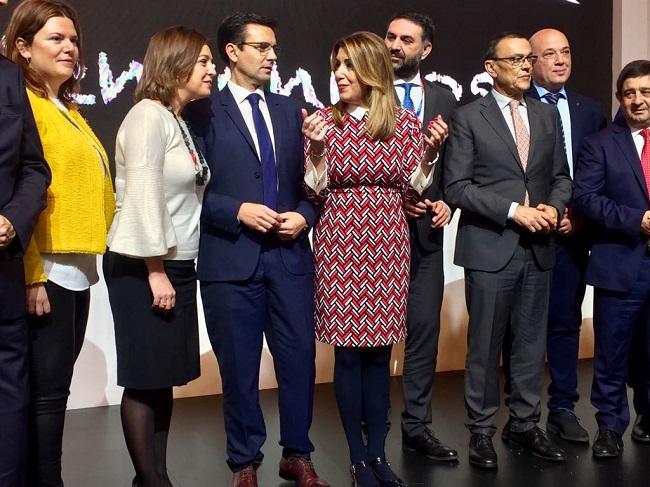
pixel 27 19
pixel 374 71
pixel 168 63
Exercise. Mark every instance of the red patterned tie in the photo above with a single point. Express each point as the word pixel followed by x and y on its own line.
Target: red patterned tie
pixel 645 157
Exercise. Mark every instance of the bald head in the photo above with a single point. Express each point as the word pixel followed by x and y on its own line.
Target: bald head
pixel 3 2
pixel 553 66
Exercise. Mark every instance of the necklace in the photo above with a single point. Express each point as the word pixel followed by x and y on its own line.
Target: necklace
pixel 201 169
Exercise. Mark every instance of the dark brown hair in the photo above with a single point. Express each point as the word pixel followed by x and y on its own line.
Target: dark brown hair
pixel 633 69
pixel 168 63
pixel 27 19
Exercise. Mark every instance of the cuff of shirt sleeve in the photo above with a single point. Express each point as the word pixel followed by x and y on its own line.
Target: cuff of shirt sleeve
pixel 420 182
pixel 313 180
pixel 511 211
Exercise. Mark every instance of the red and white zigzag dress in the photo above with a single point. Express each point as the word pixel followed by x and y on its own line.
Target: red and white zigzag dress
pixel 361 241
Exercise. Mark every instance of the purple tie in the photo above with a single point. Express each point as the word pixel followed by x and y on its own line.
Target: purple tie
pixel 267 157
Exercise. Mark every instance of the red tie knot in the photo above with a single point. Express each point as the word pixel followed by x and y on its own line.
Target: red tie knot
pixel 645 133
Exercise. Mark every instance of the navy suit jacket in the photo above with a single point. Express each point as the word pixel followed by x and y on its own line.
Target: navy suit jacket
pixel 24 177
pixel 610 191
pixel 228 250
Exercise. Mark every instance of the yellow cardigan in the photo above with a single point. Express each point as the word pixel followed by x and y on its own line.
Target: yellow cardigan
pixel 80 200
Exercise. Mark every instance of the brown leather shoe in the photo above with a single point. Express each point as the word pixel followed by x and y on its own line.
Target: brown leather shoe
pixel 247 477
pixel 301 471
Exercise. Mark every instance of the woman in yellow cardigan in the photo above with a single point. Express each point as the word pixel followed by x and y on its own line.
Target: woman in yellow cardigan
pixel 43 37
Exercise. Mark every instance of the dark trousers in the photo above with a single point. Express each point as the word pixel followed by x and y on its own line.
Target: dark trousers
pixel 564 321
pixel 362 385
pixel 14 393
pixel 279 304
pixel 517 295
pixel 55 344
pixel 622 352
pixel 426 289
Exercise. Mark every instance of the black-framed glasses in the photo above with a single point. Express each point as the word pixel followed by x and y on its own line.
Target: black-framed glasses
pixel 263 47
pixel 517 61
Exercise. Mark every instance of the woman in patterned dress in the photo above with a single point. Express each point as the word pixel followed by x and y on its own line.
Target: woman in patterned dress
pixel 364 158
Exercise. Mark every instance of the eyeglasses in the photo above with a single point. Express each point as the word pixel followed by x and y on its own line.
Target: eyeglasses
pixel 551 53
pixel 517 61
pixel 262 47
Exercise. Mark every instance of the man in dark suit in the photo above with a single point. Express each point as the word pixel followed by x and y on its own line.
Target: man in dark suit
pixel 255 262
pixel 505 168
pixel 409 38
pixel 612 179
pixel 581 116
pixel 24 177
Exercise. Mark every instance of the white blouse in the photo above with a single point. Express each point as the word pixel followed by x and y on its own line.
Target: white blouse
pixel 158 203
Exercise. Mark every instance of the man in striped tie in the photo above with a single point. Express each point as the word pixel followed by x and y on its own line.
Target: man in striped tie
pixel 505 168
pixel 611 184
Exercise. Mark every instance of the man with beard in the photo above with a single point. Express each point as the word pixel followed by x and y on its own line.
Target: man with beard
pixel 409 38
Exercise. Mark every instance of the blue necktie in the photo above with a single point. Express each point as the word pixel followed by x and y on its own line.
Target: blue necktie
pixel 267 157
pixel 553 98
pixel 407 104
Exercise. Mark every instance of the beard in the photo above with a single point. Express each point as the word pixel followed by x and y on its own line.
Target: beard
pixel 407 67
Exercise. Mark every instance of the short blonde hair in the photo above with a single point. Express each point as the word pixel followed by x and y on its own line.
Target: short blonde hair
pixel 371 64
pixel 168 63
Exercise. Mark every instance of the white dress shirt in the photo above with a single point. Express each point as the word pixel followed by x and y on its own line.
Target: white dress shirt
pixel 419 182
pixel 638 141
pixel 240 95
pixel 504 105
pixel 417 94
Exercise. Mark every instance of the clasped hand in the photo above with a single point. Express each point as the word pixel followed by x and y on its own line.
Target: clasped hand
pixel 7 232
pixel 542 218
pixel 440 212
pixel 288 225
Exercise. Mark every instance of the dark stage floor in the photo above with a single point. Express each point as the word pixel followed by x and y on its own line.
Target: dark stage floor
pixel 95 455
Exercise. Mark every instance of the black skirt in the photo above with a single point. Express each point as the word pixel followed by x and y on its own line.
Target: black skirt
pixel 154 349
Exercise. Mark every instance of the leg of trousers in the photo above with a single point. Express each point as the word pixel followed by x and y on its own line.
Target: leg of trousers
pixel 516 295
pixel 14 391
pixel 426 289
pixel 617 319
pixel 564 321
pixel 55 343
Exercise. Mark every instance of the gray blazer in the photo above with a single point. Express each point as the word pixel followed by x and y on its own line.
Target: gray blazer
pixel 483 175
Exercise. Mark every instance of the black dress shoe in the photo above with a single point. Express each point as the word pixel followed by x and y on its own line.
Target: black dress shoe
pixel 385 476
pixel 565 424
pixel 429 446
pixel 608 444
pixel 537 442
pixel 362 475
pixel 481 451
pixel 641 429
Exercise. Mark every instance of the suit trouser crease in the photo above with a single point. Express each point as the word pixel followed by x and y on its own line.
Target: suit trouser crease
pixel 278 304
pixel 517 295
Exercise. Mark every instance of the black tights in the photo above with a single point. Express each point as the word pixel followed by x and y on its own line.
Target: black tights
pixel 361 382
pixel 146 416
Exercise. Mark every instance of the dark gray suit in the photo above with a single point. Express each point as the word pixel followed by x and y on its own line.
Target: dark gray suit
pixel 426 288
pixel 507 269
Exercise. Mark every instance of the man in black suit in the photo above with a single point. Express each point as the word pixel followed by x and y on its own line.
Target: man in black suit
pixel 581 116
pixel 505 168
pixel 24 177
pixel 409 37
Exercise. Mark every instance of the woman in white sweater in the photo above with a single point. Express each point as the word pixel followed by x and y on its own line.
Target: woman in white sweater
pixel 153 242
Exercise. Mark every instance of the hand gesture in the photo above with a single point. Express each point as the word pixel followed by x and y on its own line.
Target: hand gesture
pixel 550 214
pixel 414 210
pixel 258 217
pixel 291 226
pixel 440 213
pixel 438 131
pixel 7 232
pixel 531 219
pixel 314 127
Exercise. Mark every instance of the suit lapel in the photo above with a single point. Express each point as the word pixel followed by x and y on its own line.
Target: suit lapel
pixel 429 103
pixel 278 121
pixel 232 110
pixel 535 125
pixel 624 140
pixel 492 114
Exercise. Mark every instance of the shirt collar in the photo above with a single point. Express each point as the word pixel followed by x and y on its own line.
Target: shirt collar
pixel 541 91
pixel 240 94
pixel 358 112
pixel 416 80
pixel 504 101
